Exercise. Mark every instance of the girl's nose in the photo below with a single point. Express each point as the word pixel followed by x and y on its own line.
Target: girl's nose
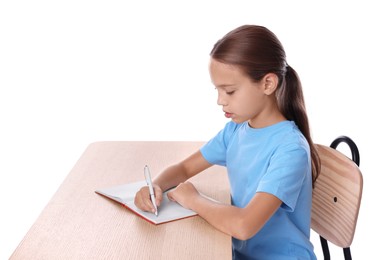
pixel 221 101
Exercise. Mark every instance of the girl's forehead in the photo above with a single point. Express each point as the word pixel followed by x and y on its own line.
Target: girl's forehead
pixel 225 74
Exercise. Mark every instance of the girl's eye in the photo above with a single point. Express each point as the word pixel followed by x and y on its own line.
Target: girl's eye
pixel 230 92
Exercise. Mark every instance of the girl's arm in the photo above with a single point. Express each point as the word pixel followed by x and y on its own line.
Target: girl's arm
pixel 171 177
pixel 180 172
pixel 241 223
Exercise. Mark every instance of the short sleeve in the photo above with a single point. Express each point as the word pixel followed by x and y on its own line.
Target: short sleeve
pixel 288 170
pixel 214 151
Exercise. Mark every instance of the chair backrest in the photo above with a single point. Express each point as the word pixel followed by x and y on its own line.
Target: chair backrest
pixel 337 194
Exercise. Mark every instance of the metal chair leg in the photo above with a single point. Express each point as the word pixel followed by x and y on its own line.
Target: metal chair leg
pixel 325 250
pixel 347 253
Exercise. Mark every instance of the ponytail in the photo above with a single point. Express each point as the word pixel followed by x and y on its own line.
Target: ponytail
pixel 291 103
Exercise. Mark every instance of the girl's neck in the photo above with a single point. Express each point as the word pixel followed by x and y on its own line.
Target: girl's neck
pixel 267 118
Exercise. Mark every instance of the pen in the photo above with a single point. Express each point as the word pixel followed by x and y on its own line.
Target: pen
pixel 148 179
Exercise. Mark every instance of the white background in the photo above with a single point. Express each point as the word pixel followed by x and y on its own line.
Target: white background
pixel 75 72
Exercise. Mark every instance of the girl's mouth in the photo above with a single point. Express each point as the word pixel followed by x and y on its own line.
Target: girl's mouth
pixel 228 115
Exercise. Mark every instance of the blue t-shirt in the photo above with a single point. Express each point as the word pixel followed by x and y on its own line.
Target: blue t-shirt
pixel 276 160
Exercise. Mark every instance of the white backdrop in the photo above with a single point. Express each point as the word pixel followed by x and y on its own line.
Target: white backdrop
pixel 75 72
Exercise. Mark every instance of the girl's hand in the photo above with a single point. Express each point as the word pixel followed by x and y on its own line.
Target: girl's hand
pixel 142 198
pixel 184 194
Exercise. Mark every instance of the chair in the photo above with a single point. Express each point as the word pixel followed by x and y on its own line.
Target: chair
pixel 336 196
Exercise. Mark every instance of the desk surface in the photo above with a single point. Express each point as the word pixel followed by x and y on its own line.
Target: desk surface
pixel 79 224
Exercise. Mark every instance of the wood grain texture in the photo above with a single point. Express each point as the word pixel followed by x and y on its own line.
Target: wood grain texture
pixel 79 224
pixel 336 197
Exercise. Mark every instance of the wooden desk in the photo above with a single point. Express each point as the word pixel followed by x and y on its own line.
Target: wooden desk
pixel 79 224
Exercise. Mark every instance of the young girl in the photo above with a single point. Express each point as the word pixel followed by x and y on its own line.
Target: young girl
pixel 266 147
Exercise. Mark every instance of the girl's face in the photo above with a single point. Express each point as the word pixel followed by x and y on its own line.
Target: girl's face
pixel 241 98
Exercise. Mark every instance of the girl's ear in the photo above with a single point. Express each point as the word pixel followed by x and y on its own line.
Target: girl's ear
pixel 270 82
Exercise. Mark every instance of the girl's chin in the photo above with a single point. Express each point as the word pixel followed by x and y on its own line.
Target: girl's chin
pixel 237 120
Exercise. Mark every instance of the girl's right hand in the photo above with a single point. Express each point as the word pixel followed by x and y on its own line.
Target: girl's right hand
pixel 142 198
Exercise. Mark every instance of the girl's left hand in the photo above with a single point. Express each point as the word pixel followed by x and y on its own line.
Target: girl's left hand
pixel 184 194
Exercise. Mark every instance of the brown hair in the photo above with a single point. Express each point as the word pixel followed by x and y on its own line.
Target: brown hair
pixel 257 51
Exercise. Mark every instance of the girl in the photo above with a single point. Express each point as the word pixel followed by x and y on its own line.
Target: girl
pixel 270 157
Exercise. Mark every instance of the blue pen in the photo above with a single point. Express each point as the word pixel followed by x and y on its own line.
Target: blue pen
pixel 148 179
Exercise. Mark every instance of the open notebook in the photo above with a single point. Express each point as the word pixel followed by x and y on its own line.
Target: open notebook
pixel 168 210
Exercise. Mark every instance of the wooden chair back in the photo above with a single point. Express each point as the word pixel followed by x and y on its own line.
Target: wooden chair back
pixel 337 195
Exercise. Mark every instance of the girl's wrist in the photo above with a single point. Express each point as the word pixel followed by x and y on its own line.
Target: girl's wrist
pixel 196 201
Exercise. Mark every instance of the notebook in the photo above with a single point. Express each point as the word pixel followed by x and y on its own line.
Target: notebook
pixel 168 210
